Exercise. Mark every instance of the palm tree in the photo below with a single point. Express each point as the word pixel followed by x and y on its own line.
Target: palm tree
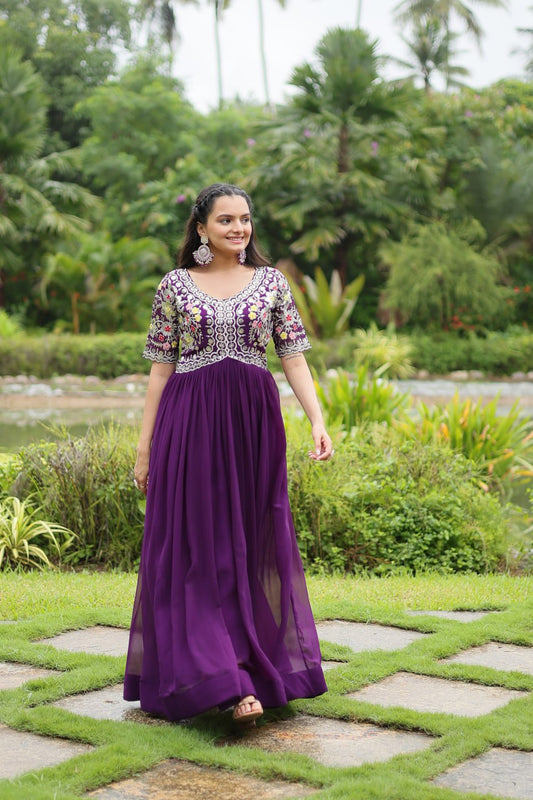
pixel 430 48
pixel 443 10
pixel 529 52
pixel 219 6
pixel 163 12
pixel 282 3
pixel 36 208
pixel 321 179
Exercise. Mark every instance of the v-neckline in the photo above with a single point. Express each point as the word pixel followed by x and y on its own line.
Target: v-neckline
pixel 211 298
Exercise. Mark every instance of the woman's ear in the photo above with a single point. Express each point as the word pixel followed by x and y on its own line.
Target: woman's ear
pixel 200 229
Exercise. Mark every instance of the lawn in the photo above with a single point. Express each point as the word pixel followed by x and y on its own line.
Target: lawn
pixel 43 605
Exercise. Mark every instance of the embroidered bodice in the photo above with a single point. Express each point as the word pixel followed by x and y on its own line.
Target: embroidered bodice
pixel 193 329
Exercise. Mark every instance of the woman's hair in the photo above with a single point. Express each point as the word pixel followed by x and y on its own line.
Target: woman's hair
pixel 200 212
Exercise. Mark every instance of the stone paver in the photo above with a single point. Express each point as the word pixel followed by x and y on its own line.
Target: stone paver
pixel 102 704
pixel 98 640
pixel 423 693
pixel 457 616
pixel 508 773
pixel 505 657
pixel 179 779
pixel 14 675
pixel 22 752
pixel 327 665
pixel 333 742
pixel 361 636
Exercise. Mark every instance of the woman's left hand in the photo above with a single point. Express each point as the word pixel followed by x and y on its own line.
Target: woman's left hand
pixel 323 446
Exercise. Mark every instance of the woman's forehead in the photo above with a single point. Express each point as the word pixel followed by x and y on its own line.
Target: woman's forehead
pixel 231 205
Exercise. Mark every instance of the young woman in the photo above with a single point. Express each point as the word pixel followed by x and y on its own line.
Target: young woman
pixel 221 616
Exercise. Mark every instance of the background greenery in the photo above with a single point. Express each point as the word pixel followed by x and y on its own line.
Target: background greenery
pixel 424 194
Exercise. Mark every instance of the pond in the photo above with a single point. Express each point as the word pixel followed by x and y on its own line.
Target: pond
pixel 30 409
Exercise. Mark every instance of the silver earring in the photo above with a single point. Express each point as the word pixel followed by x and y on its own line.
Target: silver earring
pixel 203 255
pixel 242 257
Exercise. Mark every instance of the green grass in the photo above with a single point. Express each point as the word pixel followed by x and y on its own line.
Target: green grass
pixel 46 604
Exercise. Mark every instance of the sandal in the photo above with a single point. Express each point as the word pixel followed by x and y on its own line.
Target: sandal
pixel 247 710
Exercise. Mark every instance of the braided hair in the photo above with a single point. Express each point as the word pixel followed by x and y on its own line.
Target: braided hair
pixel 201 211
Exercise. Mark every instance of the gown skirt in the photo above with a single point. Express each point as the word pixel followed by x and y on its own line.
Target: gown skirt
pixel 221 609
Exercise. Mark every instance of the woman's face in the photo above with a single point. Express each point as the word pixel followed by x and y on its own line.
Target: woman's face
pixel 228 226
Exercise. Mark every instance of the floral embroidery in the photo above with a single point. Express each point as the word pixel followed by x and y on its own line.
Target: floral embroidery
pixel 209 330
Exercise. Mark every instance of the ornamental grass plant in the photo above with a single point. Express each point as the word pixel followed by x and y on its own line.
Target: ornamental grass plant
pixel 501 445
pixel 27 540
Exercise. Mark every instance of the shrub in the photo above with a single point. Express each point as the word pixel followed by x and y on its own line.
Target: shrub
pixel 382 504
pixel 437 279
pixel 9 324
pixel 501 445
pixel 495 353
pixel 86 484
pixel 27 540
pixel 106 356
pixel 384 352
pixel 349 402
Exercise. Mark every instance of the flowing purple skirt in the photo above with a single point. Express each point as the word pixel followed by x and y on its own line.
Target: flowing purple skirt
pixel 221 609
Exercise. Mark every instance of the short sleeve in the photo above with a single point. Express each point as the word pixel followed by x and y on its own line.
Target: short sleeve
pixel 288 331
pixel 162 343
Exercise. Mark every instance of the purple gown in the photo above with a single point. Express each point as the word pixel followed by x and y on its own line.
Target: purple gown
pixel 221 609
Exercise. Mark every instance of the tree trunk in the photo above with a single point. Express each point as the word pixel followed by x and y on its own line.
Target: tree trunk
pixel 218 55
pixel 263 55
pixel 343 161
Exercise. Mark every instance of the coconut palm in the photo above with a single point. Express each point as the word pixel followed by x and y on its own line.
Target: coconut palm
pixel 431 51
pixel 282 3
pixel 162 12
pixel 443 10
pixel 408 10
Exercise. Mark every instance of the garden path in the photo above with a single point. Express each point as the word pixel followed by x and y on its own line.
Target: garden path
pixel 332 742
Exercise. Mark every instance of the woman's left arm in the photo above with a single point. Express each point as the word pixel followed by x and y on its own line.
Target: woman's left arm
pixel 301 382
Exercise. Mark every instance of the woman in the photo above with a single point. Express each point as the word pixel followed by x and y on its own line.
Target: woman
pixel 221 616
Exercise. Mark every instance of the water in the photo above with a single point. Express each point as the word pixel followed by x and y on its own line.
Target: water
pixel 29 410
pixel 19 428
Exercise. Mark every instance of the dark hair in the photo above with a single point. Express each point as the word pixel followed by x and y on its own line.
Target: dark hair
pixel 200 212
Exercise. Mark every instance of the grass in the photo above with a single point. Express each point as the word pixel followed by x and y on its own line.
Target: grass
pixel 46 604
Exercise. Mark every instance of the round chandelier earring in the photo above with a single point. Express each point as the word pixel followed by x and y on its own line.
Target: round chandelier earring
pixel 203 255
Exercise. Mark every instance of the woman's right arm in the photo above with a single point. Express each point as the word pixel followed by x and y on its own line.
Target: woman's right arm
pixel 159 375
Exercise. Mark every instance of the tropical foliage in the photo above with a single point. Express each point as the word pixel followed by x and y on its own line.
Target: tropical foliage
pixel 26 540
pixel 500 444
pixel 437 279
pixel 346 174
pixel 326 308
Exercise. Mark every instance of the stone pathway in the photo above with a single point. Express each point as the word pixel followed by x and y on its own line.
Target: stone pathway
pixel 174 779
pixel 333 743
pixel 436 695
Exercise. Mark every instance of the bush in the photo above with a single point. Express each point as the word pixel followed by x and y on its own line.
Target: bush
pixel 501 445
pixel 103 355
pixel 27 540
pixel 495 353
pixel 348 402
pixel 383 504
pixel 437 279
pixel 86 485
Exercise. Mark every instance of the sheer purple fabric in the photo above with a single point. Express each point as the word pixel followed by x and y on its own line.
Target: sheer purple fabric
pixel 221 609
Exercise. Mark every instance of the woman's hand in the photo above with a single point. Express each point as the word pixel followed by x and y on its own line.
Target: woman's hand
pixel 140 471
pixel 323 446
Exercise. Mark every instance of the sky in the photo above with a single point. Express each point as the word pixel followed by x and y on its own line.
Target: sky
pixel 291 36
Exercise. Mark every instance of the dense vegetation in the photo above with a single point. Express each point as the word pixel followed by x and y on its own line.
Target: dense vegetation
pixel 423 194
pixel 402 215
